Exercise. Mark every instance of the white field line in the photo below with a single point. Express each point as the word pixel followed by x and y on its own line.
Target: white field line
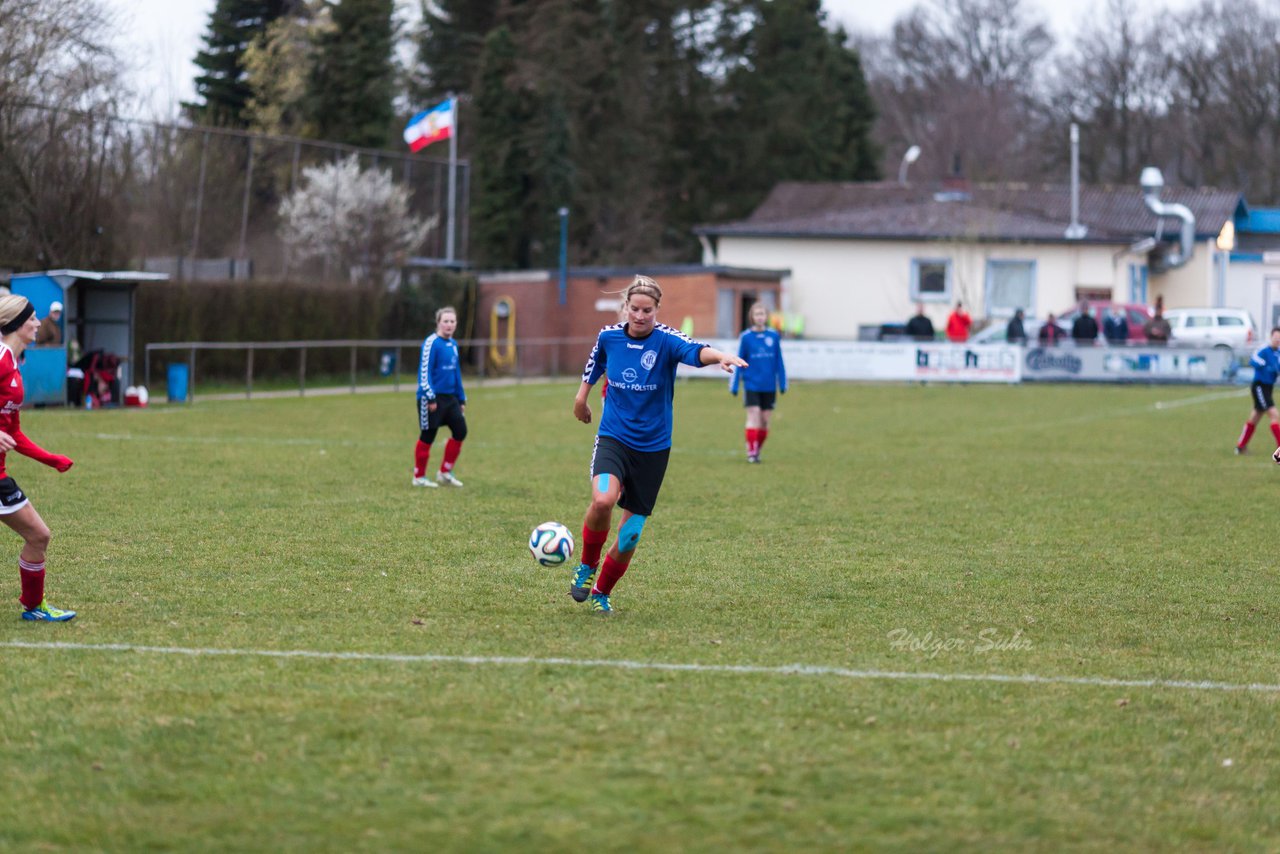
pixel 1158 406
pixel 623 664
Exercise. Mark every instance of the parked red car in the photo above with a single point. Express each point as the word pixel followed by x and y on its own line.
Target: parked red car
pixel 1135 313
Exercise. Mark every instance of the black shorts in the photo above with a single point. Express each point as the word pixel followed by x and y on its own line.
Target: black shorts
pixel 12 498
pixel 641 472
pixel 762 399
pixel 448 413
pixel 1261 394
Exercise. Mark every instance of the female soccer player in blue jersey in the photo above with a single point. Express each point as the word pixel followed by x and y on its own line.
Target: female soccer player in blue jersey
pixel 638 358
pixel 441 401
pixel 764 380
pixel 1266 368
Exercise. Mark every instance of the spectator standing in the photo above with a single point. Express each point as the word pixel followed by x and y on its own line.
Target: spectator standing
pixel 1051 333
pixel 958 324
pixel 1157 328
pixel 1266 367
pixel 1085 329
pixel 50 334
pixel 1115 328
pixel 920 327
pixel 1015 332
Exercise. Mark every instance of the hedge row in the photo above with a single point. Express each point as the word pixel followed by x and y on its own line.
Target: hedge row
pixel 292 311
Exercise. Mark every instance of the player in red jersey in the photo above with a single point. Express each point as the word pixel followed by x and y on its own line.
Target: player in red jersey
pixel 18 328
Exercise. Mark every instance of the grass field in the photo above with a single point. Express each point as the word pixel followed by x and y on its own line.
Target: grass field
pixel 1082 541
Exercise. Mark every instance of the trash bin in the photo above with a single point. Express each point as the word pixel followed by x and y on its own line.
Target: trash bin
pixel 177 381
pixel 387 363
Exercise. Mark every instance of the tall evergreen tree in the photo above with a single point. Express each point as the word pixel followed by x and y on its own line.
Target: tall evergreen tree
pixel 221 85
pixel 502 178
pixel 450 42
pixel 798 105
pixel 353 79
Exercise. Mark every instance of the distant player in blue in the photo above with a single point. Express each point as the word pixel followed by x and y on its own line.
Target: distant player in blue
pixel 441 400
pixel 638 359
pixel 761 347
pixel 1266 366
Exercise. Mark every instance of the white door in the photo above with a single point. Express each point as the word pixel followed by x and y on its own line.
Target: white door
pixel 1273 301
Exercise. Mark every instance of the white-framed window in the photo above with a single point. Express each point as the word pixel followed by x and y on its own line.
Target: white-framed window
pixel 930 280
pixel 1138 283
pixel 1011 285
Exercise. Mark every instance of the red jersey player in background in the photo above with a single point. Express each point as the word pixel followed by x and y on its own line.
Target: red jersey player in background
pixel 18 328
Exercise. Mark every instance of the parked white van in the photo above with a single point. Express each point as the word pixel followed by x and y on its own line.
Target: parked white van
pixel 1213 327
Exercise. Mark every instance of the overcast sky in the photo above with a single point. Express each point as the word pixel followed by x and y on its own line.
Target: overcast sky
pixel 159 38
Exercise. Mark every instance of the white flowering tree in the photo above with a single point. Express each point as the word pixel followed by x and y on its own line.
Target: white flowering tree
pixel 354 220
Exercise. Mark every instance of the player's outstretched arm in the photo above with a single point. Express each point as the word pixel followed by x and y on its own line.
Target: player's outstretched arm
pixel 726 361
pixel 581 409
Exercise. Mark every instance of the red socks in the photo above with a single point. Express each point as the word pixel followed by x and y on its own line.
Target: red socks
pixel 610 573
pixel 32 583
pixel 755 440
pixel 421 453
pixel 592 543
pixel 451 450
pixel 1275 431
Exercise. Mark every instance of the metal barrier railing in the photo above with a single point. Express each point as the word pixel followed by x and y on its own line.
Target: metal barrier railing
pixel 533 357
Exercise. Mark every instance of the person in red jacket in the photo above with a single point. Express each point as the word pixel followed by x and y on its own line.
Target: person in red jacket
pixel 18 328
pixel 958 323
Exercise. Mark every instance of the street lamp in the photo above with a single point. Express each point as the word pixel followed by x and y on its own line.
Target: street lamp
pixel 912 155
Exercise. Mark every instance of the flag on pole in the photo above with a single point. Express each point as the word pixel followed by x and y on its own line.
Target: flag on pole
pixel 430 126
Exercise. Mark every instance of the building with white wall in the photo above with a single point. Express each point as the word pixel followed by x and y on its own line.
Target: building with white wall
pixel 863 254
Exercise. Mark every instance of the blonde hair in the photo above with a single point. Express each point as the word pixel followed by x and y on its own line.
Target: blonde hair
pixel 644 286
pixel 446 309
pixel 10 306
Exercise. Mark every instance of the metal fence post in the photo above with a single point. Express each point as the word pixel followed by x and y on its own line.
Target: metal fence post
pixel 248 377
pixel 191 377
pixel 302 372
pixel 353 368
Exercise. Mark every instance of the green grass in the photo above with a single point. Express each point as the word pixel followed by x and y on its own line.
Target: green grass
pixel 1113 538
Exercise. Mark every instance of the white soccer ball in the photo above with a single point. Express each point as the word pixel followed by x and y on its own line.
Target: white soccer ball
pixel 551 544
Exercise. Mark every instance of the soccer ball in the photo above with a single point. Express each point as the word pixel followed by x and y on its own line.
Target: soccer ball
pixel 551 544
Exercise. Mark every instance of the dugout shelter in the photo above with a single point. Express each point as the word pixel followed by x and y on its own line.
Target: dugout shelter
pixel 98 315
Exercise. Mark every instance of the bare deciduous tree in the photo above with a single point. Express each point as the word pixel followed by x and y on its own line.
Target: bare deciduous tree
pixel 355 221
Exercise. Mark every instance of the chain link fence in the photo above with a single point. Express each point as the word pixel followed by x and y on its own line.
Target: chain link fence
pixel 198 203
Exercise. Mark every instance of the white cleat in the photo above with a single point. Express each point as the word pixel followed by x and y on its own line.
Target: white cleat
pixel 424 481
pixel 445 478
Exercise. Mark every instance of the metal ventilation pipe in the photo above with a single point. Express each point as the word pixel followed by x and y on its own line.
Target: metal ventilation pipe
pixel 1152 183
pixel 1076 230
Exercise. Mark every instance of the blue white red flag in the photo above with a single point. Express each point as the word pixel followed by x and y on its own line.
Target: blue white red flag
pixel 430 126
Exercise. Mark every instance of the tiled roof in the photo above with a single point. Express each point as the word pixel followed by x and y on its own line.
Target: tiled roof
pixel 1017 212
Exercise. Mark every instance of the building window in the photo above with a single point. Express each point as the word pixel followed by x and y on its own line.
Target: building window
pixel 1011 285
pixel 930 280
pixel 1138 284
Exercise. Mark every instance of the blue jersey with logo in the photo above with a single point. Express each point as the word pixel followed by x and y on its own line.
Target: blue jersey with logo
pixel 762 351
pixel 641 375
pixel 1266 365
pixel 440 371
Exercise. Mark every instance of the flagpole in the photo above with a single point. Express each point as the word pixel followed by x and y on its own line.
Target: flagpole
pixel 453 176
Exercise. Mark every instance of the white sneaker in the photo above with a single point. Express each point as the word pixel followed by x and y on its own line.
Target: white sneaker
pixel 424 481
pixel 446 478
